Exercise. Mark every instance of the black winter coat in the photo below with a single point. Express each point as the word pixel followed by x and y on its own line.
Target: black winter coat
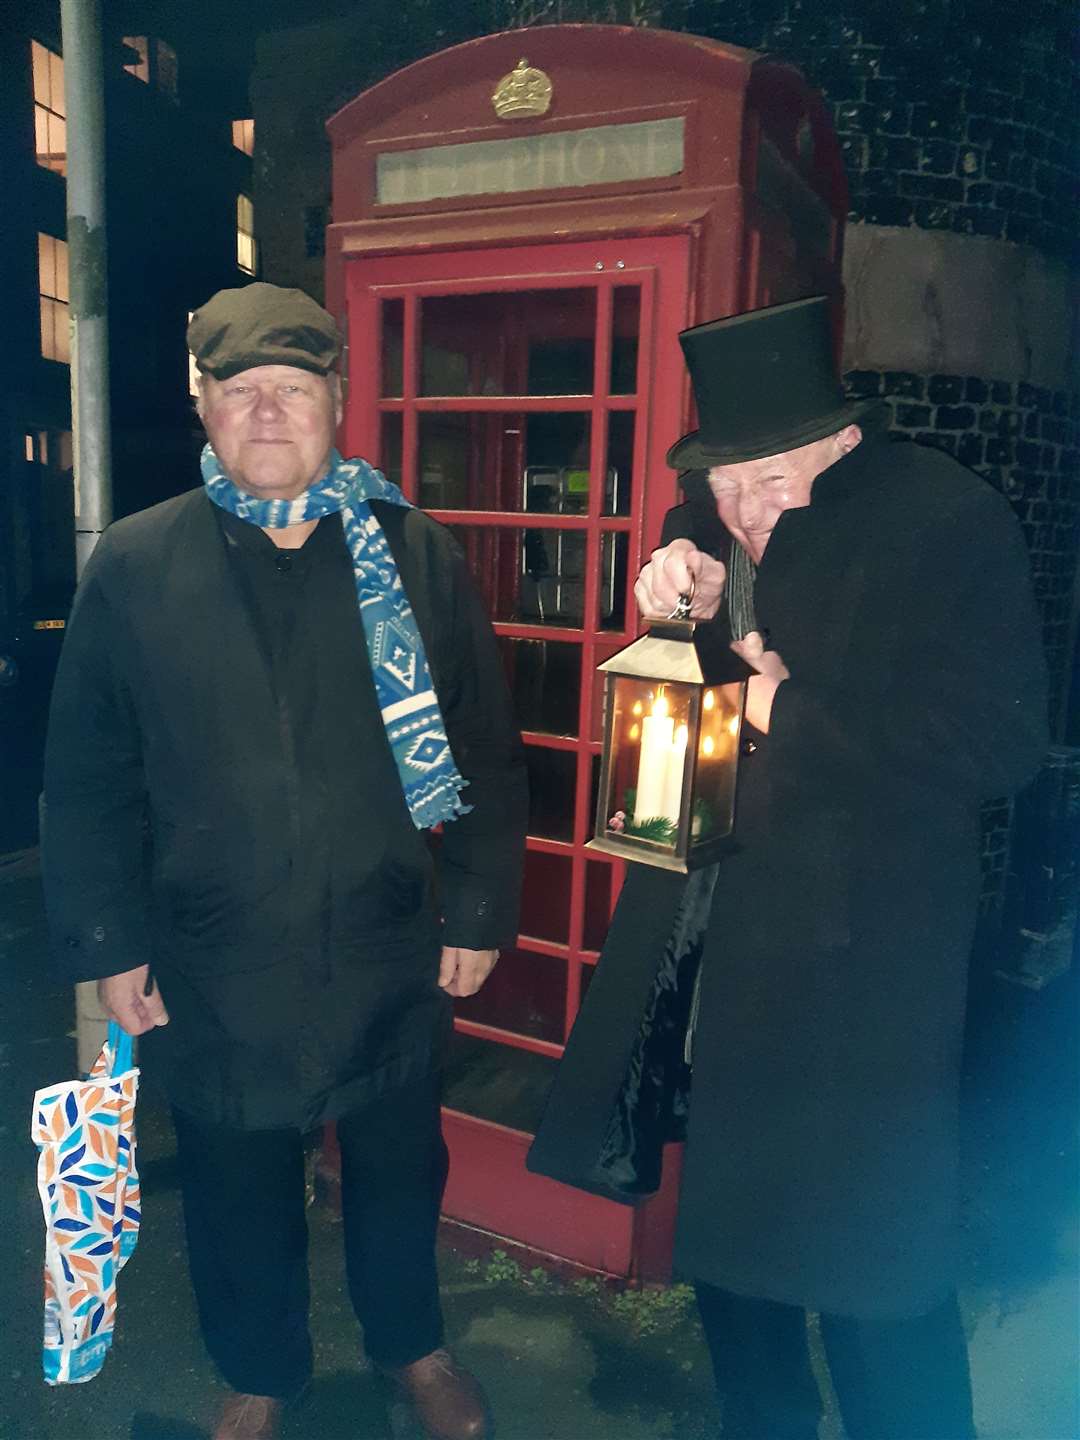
pixel 821 1156
pixel 238 821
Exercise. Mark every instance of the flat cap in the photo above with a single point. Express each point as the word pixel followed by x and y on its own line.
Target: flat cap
pixel 262 324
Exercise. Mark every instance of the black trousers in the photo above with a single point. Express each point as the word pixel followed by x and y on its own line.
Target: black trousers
pixel 894 1380
pixel 244 1212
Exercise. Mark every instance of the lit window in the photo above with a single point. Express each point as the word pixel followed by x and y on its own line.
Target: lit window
pixel 50 127
pixel 36 447
pixel 54 297
pixel 166 69
pixel 243 136
pixel 247 252
pixel 137 62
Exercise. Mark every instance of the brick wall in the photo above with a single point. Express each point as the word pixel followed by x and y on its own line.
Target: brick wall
pixel 953 114
pixel 997 818
pixel 957 115
pixel 1024 441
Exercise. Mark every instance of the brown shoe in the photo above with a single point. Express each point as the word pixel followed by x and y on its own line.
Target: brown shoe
pixel 447 1400
pixel 249 1417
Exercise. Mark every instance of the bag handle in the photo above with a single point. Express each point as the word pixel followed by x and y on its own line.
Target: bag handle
pixel 120 1046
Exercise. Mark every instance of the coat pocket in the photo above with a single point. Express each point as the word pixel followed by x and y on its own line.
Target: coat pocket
pixel 391 898
pixel 219 903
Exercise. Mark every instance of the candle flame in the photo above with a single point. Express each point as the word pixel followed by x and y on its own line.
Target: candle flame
pixel 661 706
pixel 708 745
pixel 710 699
pixel 635 731
pixel 636 709
pixel 733 725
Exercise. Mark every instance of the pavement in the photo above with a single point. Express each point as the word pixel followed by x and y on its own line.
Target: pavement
pixel 564 1355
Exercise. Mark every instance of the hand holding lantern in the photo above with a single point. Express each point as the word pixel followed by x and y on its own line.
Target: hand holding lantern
pixel 677 569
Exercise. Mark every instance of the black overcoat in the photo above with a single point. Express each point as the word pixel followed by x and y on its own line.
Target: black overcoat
pixel 246 833
pixel 821 1157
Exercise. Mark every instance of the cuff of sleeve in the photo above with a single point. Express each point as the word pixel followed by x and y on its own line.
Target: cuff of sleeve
pixel 477 921
pixel 95 950
pixel 799 716
pixel 825 731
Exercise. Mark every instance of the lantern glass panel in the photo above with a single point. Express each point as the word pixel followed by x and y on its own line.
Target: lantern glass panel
pixel 651 736
pixel 717 752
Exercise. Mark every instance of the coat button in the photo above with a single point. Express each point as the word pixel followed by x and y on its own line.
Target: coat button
pixel 748 746
pixel 483 907
pixel 99 933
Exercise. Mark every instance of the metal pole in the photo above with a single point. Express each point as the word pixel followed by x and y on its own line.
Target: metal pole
pixel 84 94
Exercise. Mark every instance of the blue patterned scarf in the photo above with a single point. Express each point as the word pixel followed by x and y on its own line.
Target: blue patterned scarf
pixel 430 780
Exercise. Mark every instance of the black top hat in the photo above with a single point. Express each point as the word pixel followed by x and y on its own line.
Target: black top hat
pixel 764 382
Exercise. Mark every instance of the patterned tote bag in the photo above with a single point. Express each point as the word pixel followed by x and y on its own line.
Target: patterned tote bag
pixel 89 1187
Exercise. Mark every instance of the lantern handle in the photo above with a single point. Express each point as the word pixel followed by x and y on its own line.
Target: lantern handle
pixel 686 599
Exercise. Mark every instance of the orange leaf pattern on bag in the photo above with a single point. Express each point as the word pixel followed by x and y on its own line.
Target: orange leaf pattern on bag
pixel 89 1189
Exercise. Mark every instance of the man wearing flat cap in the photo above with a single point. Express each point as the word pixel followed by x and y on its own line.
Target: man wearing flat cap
pixel 809 991
pixel 271 689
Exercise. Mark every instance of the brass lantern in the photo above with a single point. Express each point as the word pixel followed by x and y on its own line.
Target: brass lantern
pixel 673 715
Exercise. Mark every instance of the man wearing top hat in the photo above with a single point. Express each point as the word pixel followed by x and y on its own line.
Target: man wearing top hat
pixel 881 594
pixel 271 689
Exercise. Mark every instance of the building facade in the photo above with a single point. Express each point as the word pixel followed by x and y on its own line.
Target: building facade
pixel 176 190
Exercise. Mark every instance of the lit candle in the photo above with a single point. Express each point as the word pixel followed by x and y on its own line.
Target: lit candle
pixel 657 733
pixel 672 802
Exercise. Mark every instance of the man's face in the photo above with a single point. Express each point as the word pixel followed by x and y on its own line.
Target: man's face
pixel 272 427
pixel 753 494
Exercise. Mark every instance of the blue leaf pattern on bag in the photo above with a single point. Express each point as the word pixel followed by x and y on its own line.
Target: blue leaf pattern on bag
pixel 72 1159
pixel 89 1188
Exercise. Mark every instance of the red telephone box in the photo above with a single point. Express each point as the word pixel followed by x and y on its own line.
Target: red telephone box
pixel 522 226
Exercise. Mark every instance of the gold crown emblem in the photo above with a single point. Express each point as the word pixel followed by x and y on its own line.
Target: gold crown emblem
pixel 525 91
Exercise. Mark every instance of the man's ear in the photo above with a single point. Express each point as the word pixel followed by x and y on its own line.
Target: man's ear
pixel 338 397
pixel 199 397
pixel 849 437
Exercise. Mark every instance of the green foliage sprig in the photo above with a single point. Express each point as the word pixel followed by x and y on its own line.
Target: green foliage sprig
pixel 657 828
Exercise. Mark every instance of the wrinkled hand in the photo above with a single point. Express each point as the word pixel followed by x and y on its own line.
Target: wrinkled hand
pixel 762 687
pixel 667 576
pixel 123 1000
pixel 462 972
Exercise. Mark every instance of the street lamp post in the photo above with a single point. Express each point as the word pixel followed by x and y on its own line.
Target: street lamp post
pixel 84 94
